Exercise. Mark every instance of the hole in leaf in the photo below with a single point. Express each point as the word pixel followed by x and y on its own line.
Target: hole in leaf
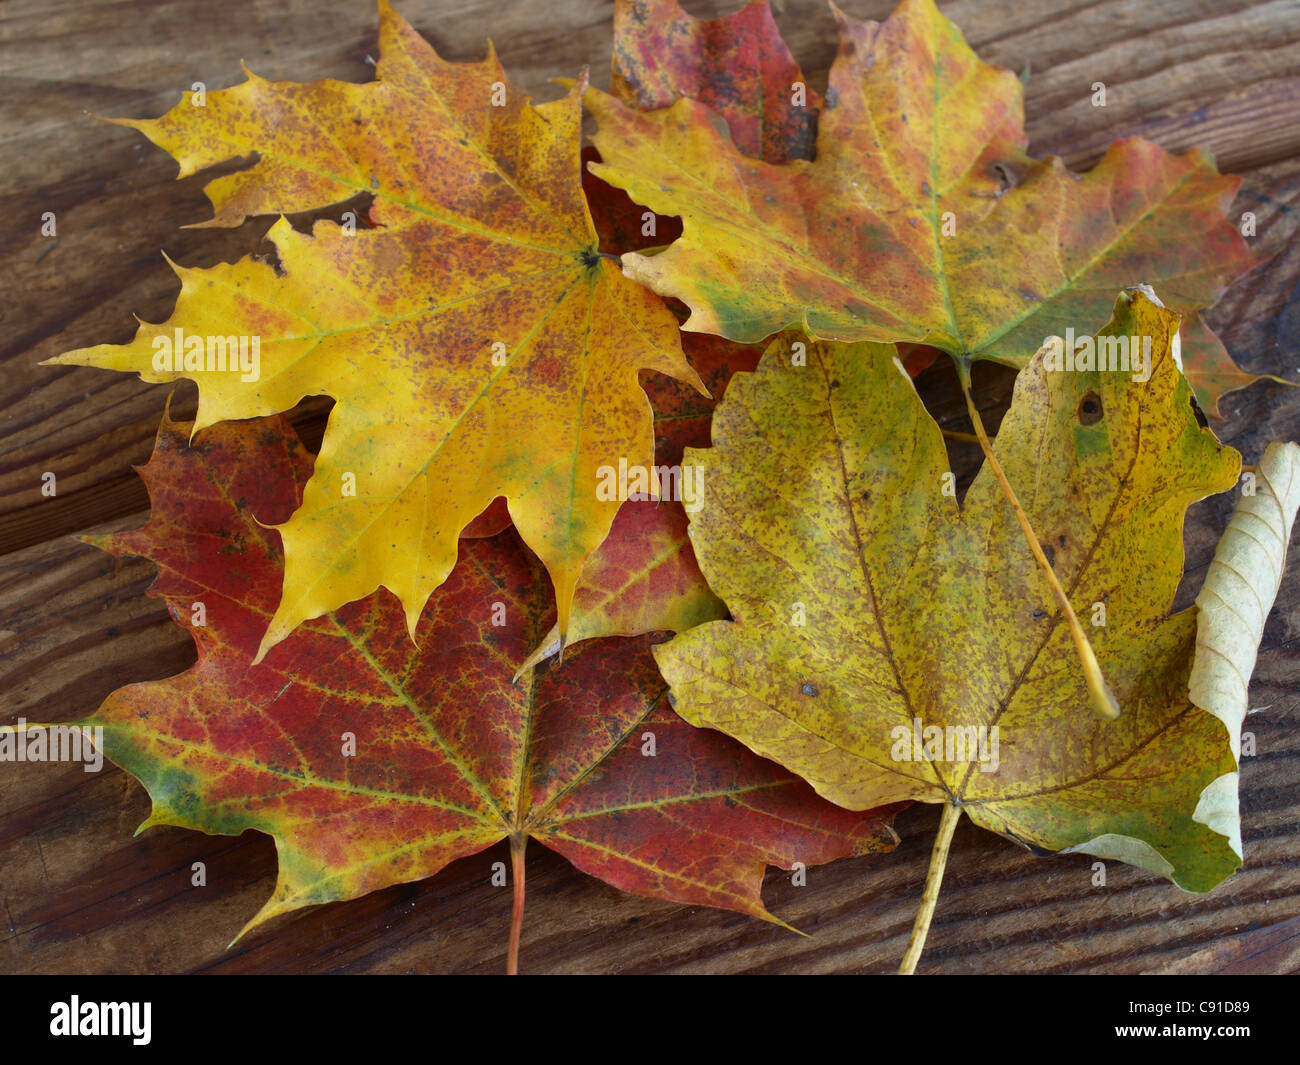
pixel 1090 412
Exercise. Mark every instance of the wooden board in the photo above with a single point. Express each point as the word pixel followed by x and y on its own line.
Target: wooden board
pixel 79 893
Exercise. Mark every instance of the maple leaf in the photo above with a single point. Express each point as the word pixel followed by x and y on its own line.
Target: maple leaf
pixel 737 65
pixel 876 618
pixel 922 218
pixel 450 756
pixel 477 342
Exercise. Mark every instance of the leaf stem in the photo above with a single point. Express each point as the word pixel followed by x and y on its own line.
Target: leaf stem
pixel 1103 699
pixel 933 880
pixel 518 843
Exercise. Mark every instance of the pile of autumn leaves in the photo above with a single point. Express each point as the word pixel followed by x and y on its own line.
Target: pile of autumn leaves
pixel 373 687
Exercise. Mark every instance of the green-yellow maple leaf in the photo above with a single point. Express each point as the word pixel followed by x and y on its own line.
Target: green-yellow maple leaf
pixel 890 644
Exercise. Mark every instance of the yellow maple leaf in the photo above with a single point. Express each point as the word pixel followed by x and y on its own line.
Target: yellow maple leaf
pixel 476 341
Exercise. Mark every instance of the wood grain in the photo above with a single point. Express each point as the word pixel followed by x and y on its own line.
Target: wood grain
pixel 79 893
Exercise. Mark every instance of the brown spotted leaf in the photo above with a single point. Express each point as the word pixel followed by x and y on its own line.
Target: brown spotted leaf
pixel 889 643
